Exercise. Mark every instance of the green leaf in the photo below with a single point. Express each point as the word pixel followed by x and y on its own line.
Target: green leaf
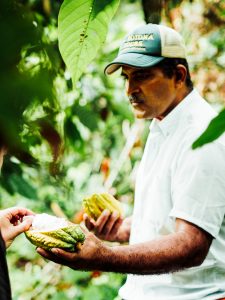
pixel 214 130
pixel 86 116
pixel 71 130
pixel 83 26
pixel 13 182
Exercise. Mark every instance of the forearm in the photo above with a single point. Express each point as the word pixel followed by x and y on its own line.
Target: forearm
pixel 187 247
pixel 167 254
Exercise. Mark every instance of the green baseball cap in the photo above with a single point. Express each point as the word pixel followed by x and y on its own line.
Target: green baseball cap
pixel 146 46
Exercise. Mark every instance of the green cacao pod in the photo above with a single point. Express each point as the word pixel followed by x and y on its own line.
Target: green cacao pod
pixel 95 204
pixel 51 232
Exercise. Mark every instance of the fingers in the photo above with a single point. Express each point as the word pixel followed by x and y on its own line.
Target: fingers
pixel 15 214
pixel 102 221
pixel 19 228
pixel 89 223
pixel 15 220
pixel 63 254
pixel 57 255
pixel 106 226
pixel 111 223
pixel 24 225
pixel 115 228
pixel 21 211
pixel 49 255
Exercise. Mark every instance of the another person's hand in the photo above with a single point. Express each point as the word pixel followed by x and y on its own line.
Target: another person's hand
pixel 109 226
pixel 14 221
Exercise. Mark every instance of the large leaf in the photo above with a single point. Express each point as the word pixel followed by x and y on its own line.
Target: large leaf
pixel 83 26
pixel 13 182
pixel 214 130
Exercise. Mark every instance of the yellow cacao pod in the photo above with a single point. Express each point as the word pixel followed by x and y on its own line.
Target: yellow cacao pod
pixel 95 204
pixel 51 232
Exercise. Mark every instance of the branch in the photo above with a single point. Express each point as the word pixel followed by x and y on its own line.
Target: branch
pixel 132 137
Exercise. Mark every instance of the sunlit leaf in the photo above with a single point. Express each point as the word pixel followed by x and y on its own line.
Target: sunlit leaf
pixel 214 130
pixel 83 26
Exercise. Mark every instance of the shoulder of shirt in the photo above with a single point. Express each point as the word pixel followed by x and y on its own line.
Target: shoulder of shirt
pixel 198 113
pixel 202 115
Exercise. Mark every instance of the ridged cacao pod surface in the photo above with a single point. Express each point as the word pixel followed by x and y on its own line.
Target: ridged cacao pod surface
pixel 50 232
pixel 95 204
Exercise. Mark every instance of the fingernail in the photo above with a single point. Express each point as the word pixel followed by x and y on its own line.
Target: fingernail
pixel 115 214
pixel 54 250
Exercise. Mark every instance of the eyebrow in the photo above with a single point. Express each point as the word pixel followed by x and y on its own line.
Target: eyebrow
pixel 134 72
pixel 137 72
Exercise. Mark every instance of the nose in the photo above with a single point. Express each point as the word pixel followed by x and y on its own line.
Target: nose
pixel 131 87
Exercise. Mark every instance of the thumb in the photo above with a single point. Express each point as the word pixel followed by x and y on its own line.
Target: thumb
pixel 84 228
pixel 24 226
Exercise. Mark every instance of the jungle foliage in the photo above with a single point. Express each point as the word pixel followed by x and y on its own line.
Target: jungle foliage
pixel 69 128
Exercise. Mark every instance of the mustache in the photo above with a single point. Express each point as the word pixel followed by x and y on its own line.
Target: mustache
pixel 134 98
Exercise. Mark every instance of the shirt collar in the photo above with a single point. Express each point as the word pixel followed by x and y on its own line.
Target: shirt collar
pixel 167 125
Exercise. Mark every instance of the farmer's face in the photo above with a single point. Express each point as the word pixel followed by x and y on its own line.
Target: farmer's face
pixel 151 93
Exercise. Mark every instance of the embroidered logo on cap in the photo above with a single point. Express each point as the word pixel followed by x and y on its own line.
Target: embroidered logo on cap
pixel 136 41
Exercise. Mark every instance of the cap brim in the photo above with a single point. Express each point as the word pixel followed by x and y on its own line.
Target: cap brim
pixel 133 60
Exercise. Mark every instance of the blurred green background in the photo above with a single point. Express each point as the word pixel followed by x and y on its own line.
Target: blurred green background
pixel 67 142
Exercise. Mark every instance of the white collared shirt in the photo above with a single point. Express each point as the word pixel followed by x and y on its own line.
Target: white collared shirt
pixel 175 181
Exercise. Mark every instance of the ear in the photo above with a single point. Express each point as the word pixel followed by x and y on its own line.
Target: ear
pixel 180 75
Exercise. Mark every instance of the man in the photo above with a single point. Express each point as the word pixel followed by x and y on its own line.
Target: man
pixel 177 232
pixel 12 223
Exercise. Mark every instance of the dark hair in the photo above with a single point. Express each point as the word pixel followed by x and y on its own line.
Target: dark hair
pixel 169 68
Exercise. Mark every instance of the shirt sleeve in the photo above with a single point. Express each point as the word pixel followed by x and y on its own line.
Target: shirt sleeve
pixel 198 187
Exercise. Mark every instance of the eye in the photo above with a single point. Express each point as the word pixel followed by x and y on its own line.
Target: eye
pixel 124 76
pixel 142 76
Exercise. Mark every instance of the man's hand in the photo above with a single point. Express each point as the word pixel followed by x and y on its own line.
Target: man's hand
pixel 89 257
pixel 14 221
pixel 109 226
